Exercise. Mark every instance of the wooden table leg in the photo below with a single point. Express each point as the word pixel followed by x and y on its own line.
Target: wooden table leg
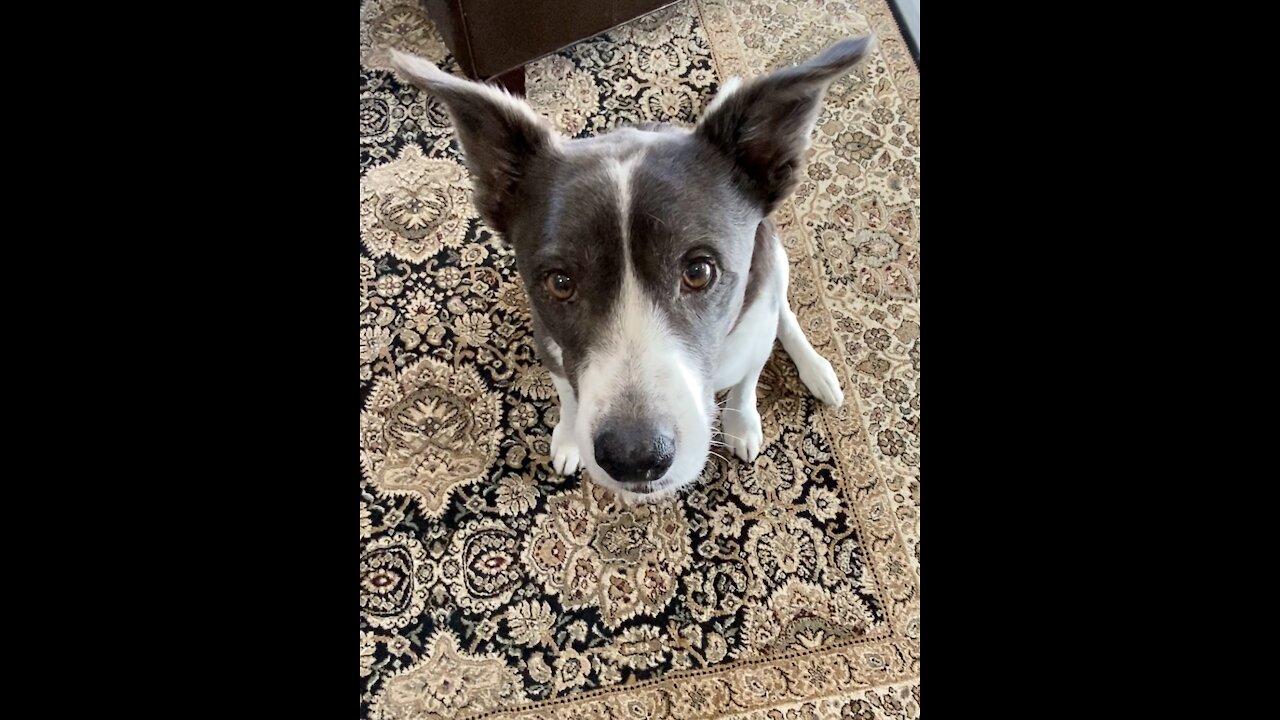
pixel 512 80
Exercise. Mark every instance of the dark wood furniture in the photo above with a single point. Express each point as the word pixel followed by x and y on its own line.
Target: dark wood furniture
pixel 494 39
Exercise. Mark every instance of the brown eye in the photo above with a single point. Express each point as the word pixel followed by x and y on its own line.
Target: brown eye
pixel 698 274
pixel 560 285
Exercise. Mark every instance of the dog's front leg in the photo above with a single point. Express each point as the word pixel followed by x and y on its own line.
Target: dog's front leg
pixel 741 420
pixel 565 457
pixel 815 371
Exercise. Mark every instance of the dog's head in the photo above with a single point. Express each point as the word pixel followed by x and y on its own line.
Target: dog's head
pixel 635 248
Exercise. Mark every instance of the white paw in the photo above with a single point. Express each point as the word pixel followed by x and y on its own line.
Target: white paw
pixel 818 375
pixel 742 432
pixel 564 450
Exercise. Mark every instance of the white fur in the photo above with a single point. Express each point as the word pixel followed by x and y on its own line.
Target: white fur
pixel 620 172
pixel 745 353
pixel 554 351
pixel 815 371
pixel 565 453
pixel 639 353
pixel 748 347
pixel 729 87
pixel 740 423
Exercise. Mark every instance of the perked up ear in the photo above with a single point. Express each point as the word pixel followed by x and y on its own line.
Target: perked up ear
pixel 499 133
pixel 763 125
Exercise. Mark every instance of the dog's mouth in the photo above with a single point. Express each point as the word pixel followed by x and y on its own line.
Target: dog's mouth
pixel 643 492
pixel 645 488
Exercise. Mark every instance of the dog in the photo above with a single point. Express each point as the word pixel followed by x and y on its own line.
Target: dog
pixel 654 274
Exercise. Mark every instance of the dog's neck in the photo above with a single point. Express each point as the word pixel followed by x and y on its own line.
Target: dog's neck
pixel 762 261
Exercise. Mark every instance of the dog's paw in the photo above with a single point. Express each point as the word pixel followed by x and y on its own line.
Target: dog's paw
pixel 818 375
pixel 565 457
pixel 742 432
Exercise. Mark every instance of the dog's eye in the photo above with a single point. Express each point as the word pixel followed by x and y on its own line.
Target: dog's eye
pixel 560 285
pixel 698 274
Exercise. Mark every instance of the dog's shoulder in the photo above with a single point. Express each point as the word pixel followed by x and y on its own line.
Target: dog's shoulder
pixel 762 277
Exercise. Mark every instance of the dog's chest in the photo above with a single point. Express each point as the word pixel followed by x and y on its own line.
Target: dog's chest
pixel 748 346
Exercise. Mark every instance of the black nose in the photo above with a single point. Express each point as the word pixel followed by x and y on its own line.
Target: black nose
pixel 634 451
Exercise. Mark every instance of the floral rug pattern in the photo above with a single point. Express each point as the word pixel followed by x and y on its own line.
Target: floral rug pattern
pixel 489 586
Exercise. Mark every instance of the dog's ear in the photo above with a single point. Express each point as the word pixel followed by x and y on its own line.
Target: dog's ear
pixel 499 133
pixel 763 125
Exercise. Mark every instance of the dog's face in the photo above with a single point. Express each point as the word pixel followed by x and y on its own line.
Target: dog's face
pixel 635 248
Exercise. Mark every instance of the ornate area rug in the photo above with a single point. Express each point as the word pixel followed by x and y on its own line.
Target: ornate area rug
pixel 490 587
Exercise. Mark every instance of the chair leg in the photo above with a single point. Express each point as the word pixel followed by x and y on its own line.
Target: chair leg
pixel 512 80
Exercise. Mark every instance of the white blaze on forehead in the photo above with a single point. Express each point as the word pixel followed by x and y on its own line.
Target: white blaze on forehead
pixel 638 356
pixel 634 326
pixel 620 173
